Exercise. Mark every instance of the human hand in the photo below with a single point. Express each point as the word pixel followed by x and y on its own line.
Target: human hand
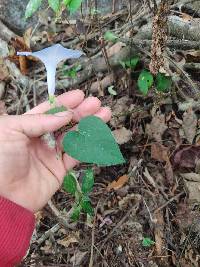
pixel 30 172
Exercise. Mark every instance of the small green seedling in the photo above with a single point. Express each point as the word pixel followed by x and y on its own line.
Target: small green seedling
pixel 130 63
pixel 72 72
pixel 110 36
pixel 147 242
pixel 163 82
pixel 80 193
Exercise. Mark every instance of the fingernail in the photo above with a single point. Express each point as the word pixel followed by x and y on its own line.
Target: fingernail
pixel 63 114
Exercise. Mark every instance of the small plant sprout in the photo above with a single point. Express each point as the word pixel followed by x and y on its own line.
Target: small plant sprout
pixel 51 56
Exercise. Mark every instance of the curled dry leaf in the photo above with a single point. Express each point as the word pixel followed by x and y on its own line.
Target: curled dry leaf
pixel 121 108
pixel 103 84
pixel 78 257
pixel 115 49
pixel 157 127
pixel 117 184
pixel 122 135
pixel 71 238
pixel 160 153
pixel 129 199
pixel 189 125
pixel 186 157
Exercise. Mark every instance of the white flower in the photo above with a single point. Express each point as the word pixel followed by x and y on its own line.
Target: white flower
pixel 51 56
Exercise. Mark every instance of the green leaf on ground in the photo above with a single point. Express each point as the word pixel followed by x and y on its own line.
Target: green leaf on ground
pixel 86 206
pixel 93 142
pixel 145 81
pixel 72 5
pixel 110 36
pixel 76 213
pixel 87 181
pixel 32 7
pixel 131 63
pixel 147 242
pixel 70 184
pixel 163 82
pixel 54 4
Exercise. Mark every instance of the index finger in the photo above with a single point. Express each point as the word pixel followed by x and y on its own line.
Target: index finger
pixel 69 99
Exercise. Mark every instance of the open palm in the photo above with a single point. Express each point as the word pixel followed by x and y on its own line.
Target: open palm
pixel 30 171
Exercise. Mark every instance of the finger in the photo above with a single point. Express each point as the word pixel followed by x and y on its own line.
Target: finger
pixel 70 100
pixel 35 125
pixel 89 106
pixel 69 162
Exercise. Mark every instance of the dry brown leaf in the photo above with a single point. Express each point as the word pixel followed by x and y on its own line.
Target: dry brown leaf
pixel 4 73
pixel 78 257
pixel 70 239
pixel 189 125
pixel 115 49
pixel 157 127
pixel 122 135
pixel 27 37
pixel 117 184
pixel 102 84
pixel 130 199
pixel 186 156
pixel 185 17
pixel 159 152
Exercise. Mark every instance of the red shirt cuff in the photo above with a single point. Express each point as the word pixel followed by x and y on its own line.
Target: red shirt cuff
pixel 16 228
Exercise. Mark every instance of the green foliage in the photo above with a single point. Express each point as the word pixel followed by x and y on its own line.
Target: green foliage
pixel 72 73
pixel 56 110
pixel 72 5
pixel 93 142
pixel 55 5
pixel 70 184
pixel 82 200
pixel 130 63
pixel 76 213
pixel 32 7
pixel 147 242
pixel 86 206
pixel 163 82
pixel 145 81
pixel 110 36
pixel 87 182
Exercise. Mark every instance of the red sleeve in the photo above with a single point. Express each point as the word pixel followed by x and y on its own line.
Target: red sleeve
pixel 16 228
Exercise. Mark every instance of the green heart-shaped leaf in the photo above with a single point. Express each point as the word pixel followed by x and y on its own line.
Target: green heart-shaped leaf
pixel 145 81
pixel 163 83
pixel 69 183
pixel 93 142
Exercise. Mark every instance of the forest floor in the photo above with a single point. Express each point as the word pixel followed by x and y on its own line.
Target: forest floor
pixel 150 216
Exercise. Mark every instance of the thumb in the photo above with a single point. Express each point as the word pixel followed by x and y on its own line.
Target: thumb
pixel 35 125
